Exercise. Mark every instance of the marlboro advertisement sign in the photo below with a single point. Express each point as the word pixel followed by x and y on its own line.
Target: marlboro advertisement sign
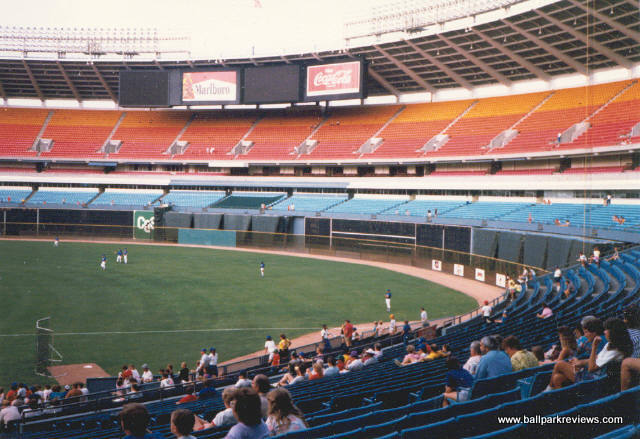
pixel 220 86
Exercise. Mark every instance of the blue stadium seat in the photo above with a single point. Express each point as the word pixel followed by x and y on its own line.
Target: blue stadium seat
pixel 381 429
pixel 347 434
pixel 515 431
pixel 439 429
pixel 627 432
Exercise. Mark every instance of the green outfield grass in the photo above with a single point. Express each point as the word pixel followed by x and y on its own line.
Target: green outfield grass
pixel 177 288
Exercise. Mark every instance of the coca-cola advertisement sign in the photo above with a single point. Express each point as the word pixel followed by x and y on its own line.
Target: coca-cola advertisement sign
pixel 333 79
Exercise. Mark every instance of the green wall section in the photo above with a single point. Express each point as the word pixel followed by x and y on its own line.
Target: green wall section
pixel 225 238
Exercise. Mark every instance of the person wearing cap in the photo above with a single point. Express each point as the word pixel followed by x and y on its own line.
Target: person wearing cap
pixel 387 299
pixel 147 375
pixel 212 369
pixel 269 347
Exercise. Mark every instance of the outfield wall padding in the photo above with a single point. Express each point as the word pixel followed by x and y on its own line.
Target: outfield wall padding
pixel 178 219
pixel 485 242
pixel 429 235
pixel 237 222
pixel 207 220
pixel 534 250
pixel 261 223
pixel 558 251
pixel 457 238
pixel 509 246
pixel 224 238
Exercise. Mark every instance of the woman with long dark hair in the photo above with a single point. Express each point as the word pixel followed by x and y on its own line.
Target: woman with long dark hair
pixel 284 416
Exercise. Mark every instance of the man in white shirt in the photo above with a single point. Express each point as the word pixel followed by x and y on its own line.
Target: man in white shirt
pixel 147 375
pixel 423 317
pixel 134 373
pixel 356 363
pixel 9 413
pixel 486 311
pixel 212 369
pixel 204 361
pixel 269 347
pixel 167 381
pixel 243 381
pixel 474 359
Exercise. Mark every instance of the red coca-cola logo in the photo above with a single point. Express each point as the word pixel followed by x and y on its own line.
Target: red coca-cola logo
pixel 332 79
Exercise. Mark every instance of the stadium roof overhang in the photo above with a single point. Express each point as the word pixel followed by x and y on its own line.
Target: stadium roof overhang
pixel 563 37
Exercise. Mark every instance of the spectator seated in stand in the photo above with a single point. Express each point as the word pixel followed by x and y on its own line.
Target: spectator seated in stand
pixel 284 416
pixel 546 312
pixel 614 346
pixel 209 391
pixel 459 383
pixel 494 362
pixel 411 357
pixel 182 422
pixel 632 320
pixel 134 420
pixel 189 396
pixel 224 417
pixel 242 380
pixel 331 369
pixel 520 358
pixel 261 384
pixel 475 355
pixel 246 409
pixel 316 371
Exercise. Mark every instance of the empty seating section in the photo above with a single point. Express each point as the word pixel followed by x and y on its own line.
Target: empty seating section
pixel 148 134
pixel 11 195
pixel 115 197
pixel 539 132
pixel 613 124
pixel 542 213
pixel 488 118
pixel 19 128
pixel 193 199
pixel 62 196
pixel 421 207
pixel 415 126
pixel 346 129
pixel 370 206
pixel 213 135
pixel 276 136
pixel 309 202
pixel 79 133
pixel 484 210
pixel 249 200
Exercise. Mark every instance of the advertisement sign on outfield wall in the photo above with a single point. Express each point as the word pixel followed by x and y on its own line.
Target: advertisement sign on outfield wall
pixel 458 269
pixel 480 274
pixel 143 224
pixel 334 81
pixel 436 265
pixel 501 280
pixel 213 87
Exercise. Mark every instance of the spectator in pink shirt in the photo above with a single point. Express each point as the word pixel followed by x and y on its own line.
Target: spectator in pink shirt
pixel 546 312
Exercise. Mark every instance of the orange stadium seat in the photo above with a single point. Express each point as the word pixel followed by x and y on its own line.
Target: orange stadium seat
pixel 565 108
pixel 148 134
pixel 415 126
pixel 213 135
pixel 19 128
pixel 276 136
pixel 79 134
pixel 612 125
pixel 488 118
pixel 347 129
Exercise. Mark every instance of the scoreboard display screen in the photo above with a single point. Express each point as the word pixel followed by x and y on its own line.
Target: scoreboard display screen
pixel 263 85
pixel 144 89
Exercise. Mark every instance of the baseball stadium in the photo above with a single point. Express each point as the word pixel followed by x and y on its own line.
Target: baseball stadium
pixel 429 208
